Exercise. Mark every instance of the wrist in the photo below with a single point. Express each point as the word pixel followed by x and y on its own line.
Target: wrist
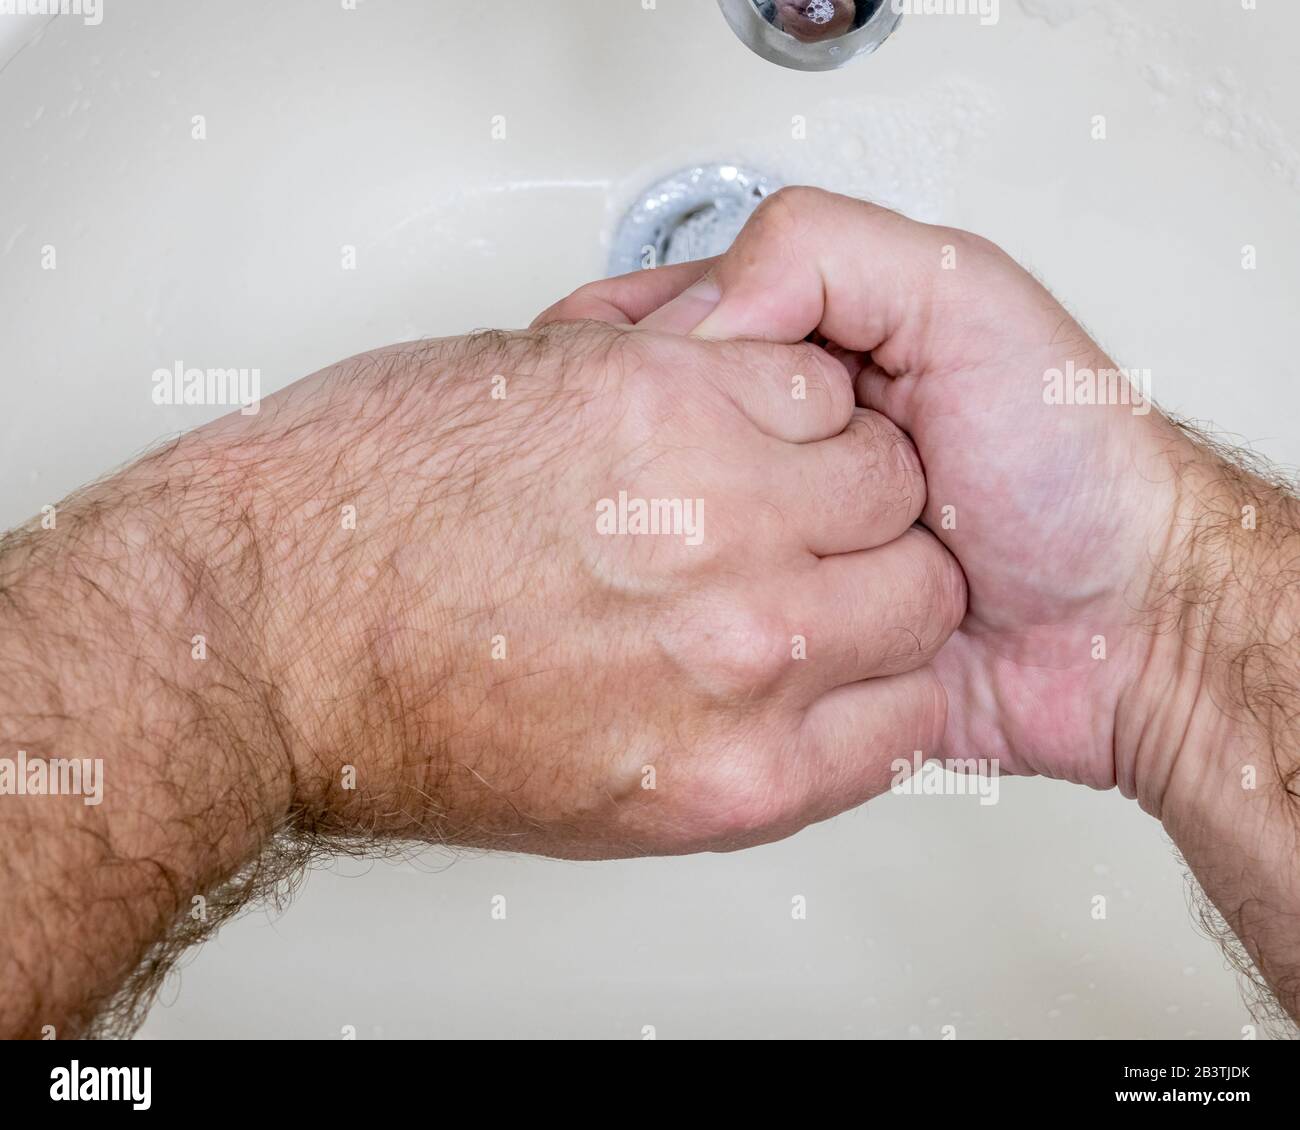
pixel 328 565
pixel 200 560
pixel 1222 662
pixel 1211 739
pixel 1241 755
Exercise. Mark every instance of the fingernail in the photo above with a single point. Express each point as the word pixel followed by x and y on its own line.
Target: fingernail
pixel 685 312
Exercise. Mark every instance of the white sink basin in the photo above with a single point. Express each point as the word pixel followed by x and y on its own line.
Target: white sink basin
pixel 373 129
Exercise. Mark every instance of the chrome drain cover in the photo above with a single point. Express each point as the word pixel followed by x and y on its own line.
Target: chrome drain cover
pixel 693 214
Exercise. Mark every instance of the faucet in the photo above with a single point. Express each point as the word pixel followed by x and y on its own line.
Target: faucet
pixel 812 35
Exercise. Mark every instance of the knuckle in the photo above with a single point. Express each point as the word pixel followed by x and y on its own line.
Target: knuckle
pixel 885 457
pixel 873 435
pixel 897 466
pixel 743 798
pixel 929 604
pixel 943 586
pixel 739 655
pixel 787 209
pixel 799 198
pixel 827 382
pixel 910 482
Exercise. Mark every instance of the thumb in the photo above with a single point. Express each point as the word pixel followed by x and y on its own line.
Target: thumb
pixel 809 261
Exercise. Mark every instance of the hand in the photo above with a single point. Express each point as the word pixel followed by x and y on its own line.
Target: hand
pixel 1133 611
pixel 508 674
pixel 1062 516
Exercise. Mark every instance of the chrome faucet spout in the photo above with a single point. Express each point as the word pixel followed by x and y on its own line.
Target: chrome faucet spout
pixel 812 35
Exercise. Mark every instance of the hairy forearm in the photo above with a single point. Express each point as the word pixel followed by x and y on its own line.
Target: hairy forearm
pixel 115 651
pixel 1225 779
pixel 235 629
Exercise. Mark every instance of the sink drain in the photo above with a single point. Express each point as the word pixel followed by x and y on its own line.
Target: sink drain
pixel 692 214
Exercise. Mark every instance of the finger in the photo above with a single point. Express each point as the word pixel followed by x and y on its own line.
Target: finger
pixel 853 737
pixel 797 393
pixel 876 613
pixel 866 278
pixel 627 299
pixel 689 308
pixel 854 362
pixel 861 488
pixel 876 389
